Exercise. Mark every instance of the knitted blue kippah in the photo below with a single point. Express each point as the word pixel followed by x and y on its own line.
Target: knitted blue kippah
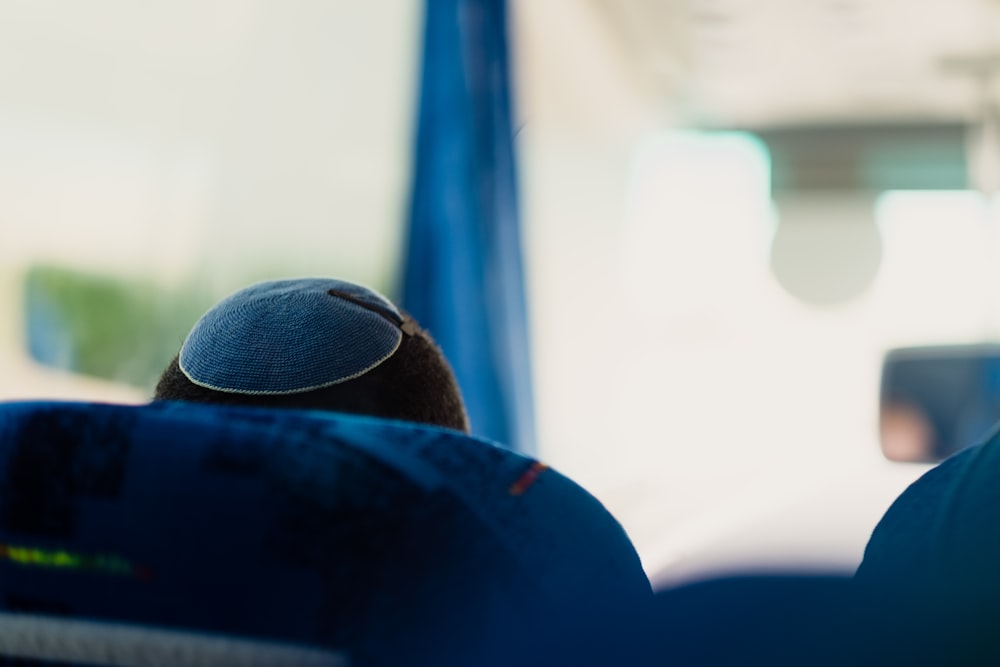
pixel 290 336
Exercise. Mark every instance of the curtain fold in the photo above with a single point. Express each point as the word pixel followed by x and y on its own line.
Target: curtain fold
pixel 463 277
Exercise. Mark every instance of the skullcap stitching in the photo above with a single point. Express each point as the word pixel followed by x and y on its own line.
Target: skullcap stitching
pixel 290 336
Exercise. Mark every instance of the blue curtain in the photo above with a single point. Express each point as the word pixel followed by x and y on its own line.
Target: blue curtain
pixel 463 276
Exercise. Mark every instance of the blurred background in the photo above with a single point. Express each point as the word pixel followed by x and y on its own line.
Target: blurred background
pixel 730 212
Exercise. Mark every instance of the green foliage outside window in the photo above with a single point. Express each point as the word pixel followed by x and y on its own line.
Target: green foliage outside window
pixel 107 327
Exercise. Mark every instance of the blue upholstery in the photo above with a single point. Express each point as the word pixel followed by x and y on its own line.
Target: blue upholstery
pixel 776 620
pixel 784 621
pixel 944 530
pixel 392 543
pixel 937 551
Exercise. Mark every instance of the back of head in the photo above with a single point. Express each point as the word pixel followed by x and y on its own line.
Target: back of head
pixel 315 343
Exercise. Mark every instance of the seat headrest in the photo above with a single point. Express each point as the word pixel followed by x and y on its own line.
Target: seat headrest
pixel 941 533
pixel 375 538
pixel 783 619
pixel 936 551
pixel 773 620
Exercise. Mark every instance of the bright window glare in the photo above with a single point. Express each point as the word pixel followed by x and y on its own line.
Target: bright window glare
pixel 697 211
pixel 938 280
pixel 192 147
pixel 731 402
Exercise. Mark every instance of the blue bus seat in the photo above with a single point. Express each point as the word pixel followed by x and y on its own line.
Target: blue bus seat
pixel 943 532
pixel 785 620
pixel 937 550
pixel 171 533
pixel 769 620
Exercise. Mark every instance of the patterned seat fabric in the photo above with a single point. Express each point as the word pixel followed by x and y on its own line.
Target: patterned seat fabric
pixel 351 540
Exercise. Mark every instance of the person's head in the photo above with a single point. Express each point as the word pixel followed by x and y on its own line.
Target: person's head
pixel 315 343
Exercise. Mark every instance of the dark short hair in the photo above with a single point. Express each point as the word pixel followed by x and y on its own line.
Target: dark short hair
pixel 415 384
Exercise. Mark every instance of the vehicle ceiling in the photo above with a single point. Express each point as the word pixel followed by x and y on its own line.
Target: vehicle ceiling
pixel 766 63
